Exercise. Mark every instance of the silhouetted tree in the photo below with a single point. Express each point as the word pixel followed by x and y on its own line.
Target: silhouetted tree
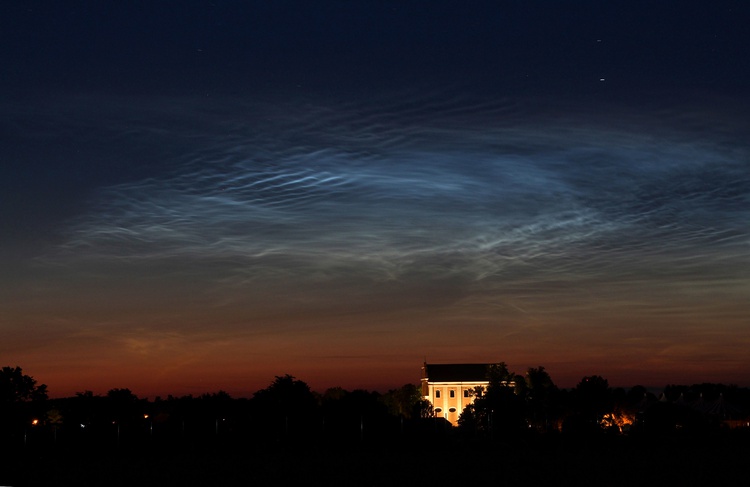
pixel 122 396
pixel 123 409
pixel 84 408
pixel 20 399
pixel 406 402
pixel 594 396
pixel 360 415
pixel 592 399
pixel 541 395
pixel 287 406
pixel 15 386
pixel 499 409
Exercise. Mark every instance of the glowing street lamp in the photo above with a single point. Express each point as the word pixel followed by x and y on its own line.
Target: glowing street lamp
pixel 150 425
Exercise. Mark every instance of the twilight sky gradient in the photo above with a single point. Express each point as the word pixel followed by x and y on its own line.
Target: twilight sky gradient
pixel 201 195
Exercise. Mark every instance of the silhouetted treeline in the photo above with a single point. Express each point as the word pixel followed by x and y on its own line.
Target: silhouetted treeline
pixel 288 411
pixel 514 405
pixel 521 430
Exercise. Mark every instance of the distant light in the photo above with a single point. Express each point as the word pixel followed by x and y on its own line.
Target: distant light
pixel 602 79
pixel 145 416
pixel 35 422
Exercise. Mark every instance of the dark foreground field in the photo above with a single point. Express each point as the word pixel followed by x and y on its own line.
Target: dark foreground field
pixel 715 460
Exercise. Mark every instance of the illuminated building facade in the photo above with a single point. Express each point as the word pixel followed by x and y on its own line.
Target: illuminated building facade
pixel 450 387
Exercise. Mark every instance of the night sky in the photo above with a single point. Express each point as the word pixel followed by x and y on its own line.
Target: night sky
pixel 201 195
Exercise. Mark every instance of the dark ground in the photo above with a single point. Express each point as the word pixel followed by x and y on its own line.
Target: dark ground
pixel 715 460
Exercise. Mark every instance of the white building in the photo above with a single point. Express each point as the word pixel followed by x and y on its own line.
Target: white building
pixel 450 387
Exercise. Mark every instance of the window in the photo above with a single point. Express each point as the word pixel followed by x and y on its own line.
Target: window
pixel 437 394
pixel 452 410
pixel 466 392
pixel 438 410
pixel 453 393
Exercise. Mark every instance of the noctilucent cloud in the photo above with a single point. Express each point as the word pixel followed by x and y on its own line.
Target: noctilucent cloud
pixel 207 224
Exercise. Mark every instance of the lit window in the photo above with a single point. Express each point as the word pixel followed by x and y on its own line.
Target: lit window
pixel 453 393
pixel 437 393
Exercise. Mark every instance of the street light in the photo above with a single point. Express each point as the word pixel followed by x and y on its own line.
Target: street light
pixel 34 422
pixel 117 423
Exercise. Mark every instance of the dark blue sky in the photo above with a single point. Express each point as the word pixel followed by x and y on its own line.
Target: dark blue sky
pixel 193 190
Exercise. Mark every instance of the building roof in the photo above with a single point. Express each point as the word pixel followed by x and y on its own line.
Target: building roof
pixel 456 372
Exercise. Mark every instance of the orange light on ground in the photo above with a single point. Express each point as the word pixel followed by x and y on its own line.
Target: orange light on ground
pixel 618 419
